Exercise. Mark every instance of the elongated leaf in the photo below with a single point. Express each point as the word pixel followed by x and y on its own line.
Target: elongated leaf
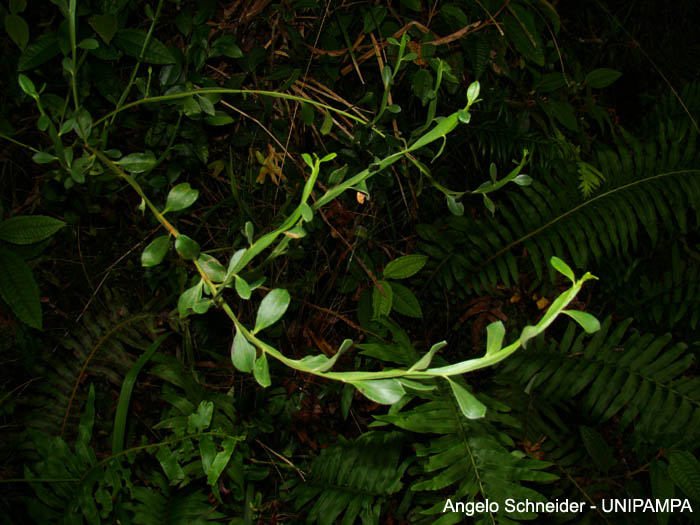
pixel 28 229
pixel 405 302
pixel 424 362
pixel 18 288
pixel 603 77
pixel 382 300
pixel 131 41
pixel 242 287
pixel 242 353
pixel 684 470
pixel 41 50
pixel 155 251
pixel 271 308
pixel 405 266
pixel 220 461
pixel 562 268
pixel 125 395
pixel 138 162
pixel 18 30
pixel 494 337
pixel 261 371
pixel 383 391
pixel 589 323
pixel 470 406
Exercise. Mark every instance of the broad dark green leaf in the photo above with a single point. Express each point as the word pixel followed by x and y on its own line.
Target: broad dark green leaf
pixel 131 41
pixel 382 300
pixel 189 298
pixel 105 25
pixel 138 162
pixel 225 46
pixel 180 197
pixel 405 302
pixel 220 461
pixel 155 251
pixel 18 288
pixel 17 29
pixel 271 309
pixel 186 247
pixel 603 77
pixel 28 229
pixel 684 470
pixel 405 266
pixel 41 50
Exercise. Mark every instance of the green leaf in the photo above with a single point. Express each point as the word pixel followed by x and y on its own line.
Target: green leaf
pixel 212 268
pixel 603 77
pixel 523 180
pixel 27 85
pixel 455 207
pixel 226 46
pixel 186 247
pixel 405 266
pixel 469 405
pixel 261 371
pixel 18 288
pixel 168 460
pixel 473 92
pixel 42 157
pixel 138 162
pixel 207 106
pixel 597 448
pixel 383 391
pixel 327 123
pixel 155 251
pixel 589 323
pixel 489 204
pixel 386 76
pixel 131 41
pixel 242 287
pixel 180 198
pixel 405 302
pixel 382 301
pixel 41 50
pixel 219 118
pixel 271 309
pixel 220 461
pixel 242 353
pixel 18 30
pixel 17 6
pixel 83 123
pixel 307 113
pixel 494 337
pixel 562 268
pixel 201 419
pixel 189 298
pixel 105 25
pixel 424 362
pixel 684 470
pixel 28 229
pixel 89 44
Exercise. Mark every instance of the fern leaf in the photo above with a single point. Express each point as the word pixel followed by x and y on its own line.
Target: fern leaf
pixel 638 379
pixel 353 478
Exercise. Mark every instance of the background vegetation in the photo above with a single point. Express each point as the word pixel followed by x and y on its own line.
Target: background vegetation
pixel 151 150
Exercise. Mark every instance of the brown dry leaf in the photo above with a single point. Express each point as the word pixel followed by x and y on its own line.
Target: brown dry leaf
pixel 542 303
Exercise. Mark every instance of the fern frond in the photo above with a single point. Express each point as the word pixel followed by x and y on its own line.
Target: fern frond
pixel 352 479
pixel 649 187
pixel 172 507
pixel 640 380
pixel 98 348
pixel 664 291
pixel 471 459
